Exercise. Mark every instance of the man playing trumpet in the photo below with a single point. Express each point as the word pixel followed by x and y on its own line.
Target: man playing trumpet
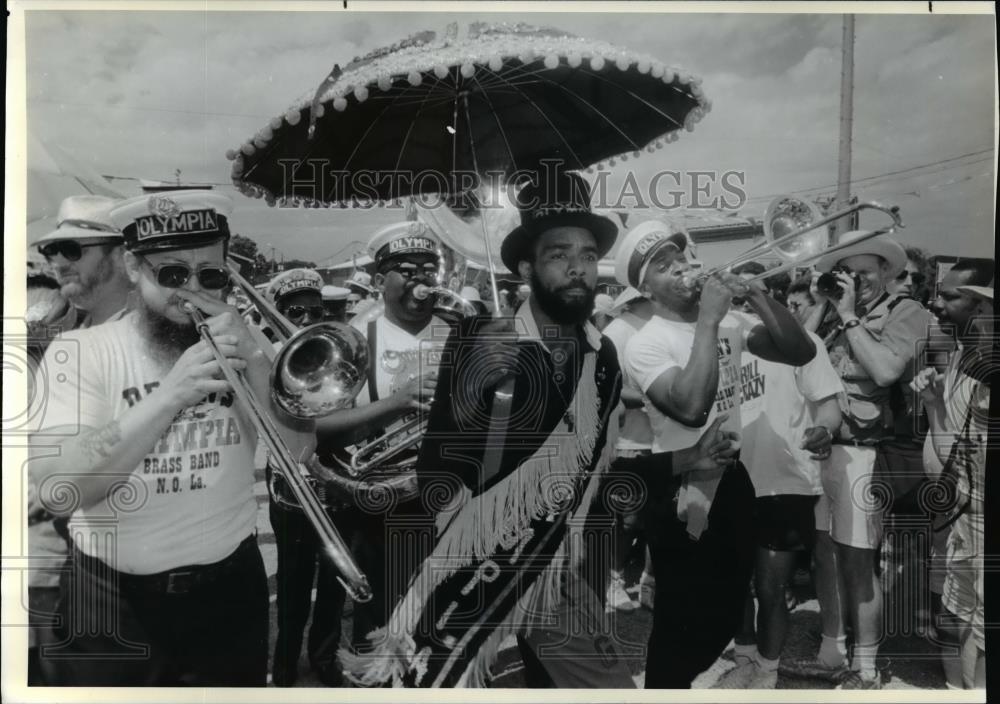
pixel 155 467
pixel 686 360
pixel 402 375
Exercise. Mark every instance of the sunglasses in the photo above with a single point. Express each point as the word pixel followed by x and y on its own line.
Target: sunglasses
pixel 71 250
pixel 408 270
pixel 916 277
pixel 297 313
pixel 175 275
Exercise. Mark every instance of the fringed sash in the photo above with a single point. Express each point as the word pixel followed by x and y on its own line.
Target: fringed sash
pixel 496 567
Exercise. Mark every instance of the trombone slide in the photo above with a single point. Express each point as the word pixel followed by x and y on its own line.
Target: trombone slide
pixel 351 577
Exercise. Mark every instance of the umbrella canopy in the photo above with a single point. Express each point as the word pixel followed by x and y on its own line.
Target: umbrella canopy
pixel 431 113
pixel 54 175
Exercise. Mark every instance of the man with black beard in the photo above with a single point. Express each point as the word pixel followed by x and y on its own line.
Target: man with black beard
pixel 510 465
pixel 158 462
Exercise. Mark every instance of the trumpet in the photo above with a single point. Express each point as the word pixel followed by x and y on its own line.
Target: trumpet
pixel 301 356
pixel 791 229
pixel 448 304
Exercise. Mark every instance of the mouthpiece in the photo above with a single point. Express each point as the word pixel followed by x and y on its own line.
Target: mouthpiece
pixel 422 292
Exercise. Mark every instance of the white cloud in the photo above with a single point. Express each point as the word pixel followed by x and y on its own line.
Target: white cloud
pixel 146 93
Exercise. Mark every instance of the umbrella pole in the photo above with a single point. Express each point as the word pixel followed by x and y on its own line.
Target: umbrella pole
pixel 482 220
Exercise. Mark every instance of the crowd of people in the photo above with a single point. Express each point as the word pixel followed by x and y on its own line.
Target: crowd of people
pixel 755 419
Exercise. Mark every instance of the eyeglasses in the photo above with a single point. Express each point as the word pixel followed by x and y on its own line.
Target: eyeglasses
pixel 915 276
pixel 175 275
pixel 297 313
pixel 70 249
pixel 408 270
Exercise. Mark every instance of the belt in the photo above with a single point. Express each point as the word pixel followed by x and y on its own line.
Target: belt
pixel 178 581
pixel 856 443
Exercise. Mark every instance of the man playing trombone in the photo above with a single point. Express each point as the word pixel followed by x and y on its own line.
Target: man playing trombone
pixel 165 585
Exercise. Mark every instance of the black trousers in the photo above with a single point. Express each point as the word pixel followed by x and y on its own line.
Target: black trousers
pixel 123 630
pixel 299 561
pixel 701 585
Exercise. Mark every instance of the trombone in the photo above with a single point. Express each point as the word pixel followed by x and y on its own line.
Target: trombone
pixel 303 351
pixel 791 231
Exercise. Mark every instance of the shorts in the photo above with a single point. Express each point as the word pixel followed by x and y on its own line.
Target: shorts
pixel 939 562
pixel 848 509
pixel 785 522
pixel 963 593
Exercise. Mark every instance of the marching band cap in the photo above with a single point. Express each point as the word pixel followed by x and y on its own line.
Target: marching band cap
pixel 293 280
pixel 173 220
pixel 84 218
pixel 880 245
pixel 334 293
pixel 560 200
pixel 640 245
pixel 409 237
pixel 361 280
pixel 471 294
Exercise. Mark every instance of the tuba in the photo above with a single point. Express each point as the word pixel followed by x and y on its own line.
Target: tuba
pixel 384 467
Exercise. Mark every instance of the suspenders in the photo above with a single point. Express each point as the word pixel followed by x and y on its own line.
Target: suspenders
pixel 372 351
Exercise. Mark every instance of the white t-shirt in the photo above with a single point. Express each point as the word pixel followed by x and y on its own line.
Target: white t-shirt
pixel 193 501
pixel 398 354
pixel 664 344
pixel 778 405
pixel 636 432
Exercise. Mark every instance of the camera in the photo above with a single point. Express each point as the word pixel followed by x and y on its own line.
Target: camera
pixel 828 285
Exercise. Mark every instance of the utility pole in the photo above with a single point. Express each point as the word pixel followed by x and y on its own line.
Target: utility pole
pixel 846 124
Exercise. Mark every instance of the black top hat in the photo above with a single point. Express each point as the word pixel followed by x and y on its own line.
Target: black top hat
pixel 561 200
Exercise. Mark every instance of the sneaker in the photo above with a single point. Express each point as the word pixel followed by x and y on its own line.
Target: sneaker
pixel 647 590
pixel 740 676
pixel 763 679
pixel 812 668
pixel 791 601
pixel 617 598
pixel 854 680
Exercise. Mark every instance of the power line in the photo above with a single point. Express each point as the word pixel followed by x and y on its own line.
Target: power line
pixel 898 172
pixel 946 164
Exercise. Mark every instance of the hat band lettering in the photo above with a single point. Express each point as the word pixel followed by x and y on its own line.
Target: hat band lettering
pixel 291 286
pixel 644 250
pixel 192 222
pixel 406 245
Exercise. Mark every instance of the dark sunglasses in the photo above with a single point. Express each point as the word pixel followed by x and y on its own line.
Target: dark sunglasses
pixel 297 313
pixel 408 270
pixel 175 275
pixel 916 277
pixel 70 249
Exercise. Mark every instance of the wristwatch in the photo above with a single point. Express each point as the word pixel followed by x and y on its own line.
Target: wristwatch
pixel 852 323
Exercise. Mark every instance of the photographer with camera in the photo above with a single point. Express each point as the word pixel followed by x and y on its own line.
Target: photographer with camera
pixel 873 350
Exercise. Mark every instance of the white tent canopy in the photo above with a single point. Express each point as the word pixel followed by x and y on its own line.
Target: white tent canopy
pixel 363 260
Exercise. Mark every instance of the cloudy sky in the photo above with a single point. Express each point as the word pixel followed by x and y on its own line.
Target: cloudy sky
pixel 142 94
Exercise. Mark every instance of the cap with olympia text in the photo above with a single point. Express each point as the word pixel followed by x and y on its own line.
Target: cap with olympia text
pixel 174 220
